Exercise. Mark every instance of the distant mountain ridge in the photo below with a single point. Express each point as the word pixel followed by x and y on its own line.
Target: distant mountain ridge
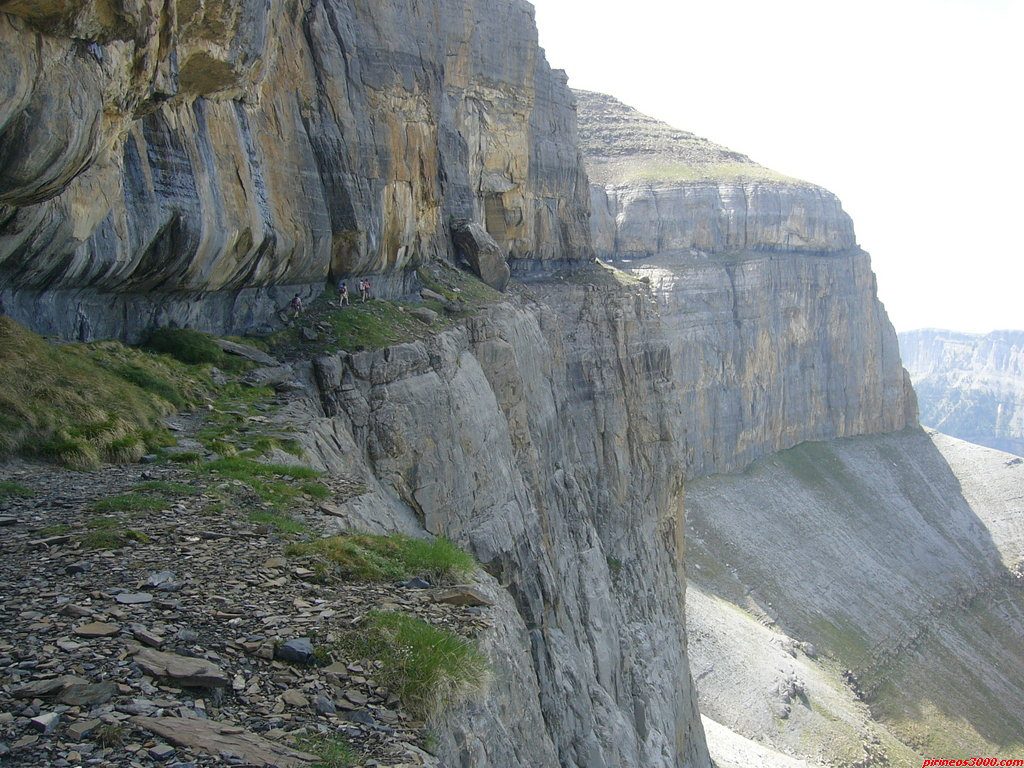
pixel 970 386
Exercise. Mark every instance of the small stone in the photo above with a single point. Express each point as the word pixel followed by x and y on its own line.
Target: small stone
pixel 149 458
pixel 298 651
pixel 76 568
pixel 89 694
pixel 97 629
pixel 309 334
pixel 161 752
pixel 4 750
pixel 81 729
pixel 417 583
pixel 275 562
pixel 360 716
pixel 356 697
pixel 324 705
pixel 78 611
pixel 146 637
pixel 47 723
pixel 294 698
pixel 134 598
pixel 428 295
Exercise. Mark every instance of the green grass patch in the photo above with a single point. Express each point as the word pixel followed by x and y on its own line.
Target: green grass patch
pixel 246 469
pixel 54 530
pixel 111 538
pixel 70 403
pixel 428 668
pixel 129 502
pixel 193 348
pixel 278 521
pixel 365 557
pixel 333 751
pixel 10 490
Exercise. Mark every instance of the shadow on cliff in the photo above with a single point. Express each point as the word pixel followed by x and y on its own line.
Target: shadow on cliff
pixel 867 548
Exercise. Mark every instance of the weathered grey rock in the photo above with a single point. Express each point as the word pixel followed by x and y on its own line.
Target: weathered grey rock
pixel 429 295
pixel 247 351
pixel 97 629
pixel 134 598
pixel 40 689
pixel 46 723
pixel 216 739
pixel 80 729
pixel 88 694
pixel 969 385
pixel 296 651
pixel 461 595
pixel 475 246
pixel 185 671
pixel 220 160
pixel 161 752
pixel 269 377
pixel 424 315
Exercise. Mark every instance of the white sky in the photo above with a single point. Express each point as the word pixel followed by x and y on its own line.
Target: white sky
pixel 909 110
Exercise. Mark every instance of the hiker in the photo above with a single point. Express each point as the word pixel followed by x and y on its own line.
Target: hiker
pixel 295 307
pixel 343 294
pixel 364 289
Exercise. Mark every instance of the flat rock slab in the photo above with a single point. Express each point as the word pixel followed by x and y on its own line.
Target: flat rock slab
pixel 40 689
pixel 216 739
pixel 246 351
pixel 134 598
pixel 97 629
pixel 89 694
pixel 181 670
pixel 5 521
pixel 461 595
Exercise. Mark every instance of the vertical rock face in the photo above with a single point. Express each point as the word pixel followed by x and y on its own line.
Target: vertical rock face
pixel 190 161
pixel 970 386
pixel 770 308
pixel 542 438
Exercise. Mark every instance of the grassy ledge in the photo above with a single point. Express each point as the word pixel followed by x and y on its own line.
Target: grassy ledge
pixel 363 557
pixel 428 668
pixel 84 404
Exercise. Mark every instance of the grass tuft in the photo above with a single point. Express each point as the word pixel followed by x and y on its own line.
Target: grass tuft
pixel 279 521
pixel 333 751
pixel 364 557
pixel 428 668
pixel 193 348
pixel 84 404
pixel 10 490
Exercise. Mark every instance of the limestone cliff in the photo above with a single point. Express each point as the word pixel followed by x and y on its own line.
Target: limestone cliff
pixel 542 437
pixel 192 161
pixel 970 386
pixel 771 309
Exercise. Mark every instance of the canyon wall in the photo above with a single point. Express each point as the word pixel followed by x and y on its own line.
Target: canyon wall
pixel 970 386
pixel 771 308
pixel 542 437
pixel 194 162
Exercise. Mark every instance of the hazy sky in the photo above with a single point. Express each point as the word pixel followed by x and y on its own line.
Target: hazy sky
pixel 909 110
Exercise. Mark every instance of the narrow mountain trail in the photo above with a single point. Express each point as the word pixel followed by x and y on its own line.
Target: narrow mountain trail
pixel 153 617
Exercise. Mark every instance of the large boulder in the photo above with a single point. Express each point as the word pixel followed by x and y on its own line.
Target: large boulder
pixel 483 255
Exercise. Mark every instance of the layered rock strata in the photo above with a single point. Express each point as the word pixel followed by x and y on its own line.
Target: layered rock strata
pixel 770 307
pixel 970 386
pixel 194 162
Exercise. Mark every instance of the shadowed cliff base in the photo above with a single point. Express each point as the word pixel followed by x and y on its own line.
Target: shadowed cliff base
pixel 896 557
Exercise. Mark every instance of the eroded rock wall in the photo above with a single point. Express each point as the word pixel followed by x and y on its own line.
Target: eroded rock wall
pixel 970 386
pixel 193 161
pixel 543 438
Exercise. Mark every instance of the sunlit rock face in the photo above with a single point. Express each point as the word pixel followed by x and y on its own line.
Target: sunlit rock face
pixel 970 386
pixel 771 308
pixel 191 162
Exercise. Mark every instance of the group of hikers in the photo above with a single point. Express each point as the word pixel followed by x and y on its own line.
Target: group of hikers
pixel 295 307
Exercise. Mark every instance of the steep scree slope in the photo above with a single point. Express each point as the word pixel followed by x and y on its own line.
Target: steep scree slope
pixel 970 386
pixel 193 162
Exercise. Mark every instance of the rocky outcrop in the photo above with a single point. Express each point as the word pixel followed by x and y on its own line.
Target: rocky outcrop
pixel 970 386
pixel 770 308
pixel 484 257
pixel 542 437
pixel 658 190
pixel 195 162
